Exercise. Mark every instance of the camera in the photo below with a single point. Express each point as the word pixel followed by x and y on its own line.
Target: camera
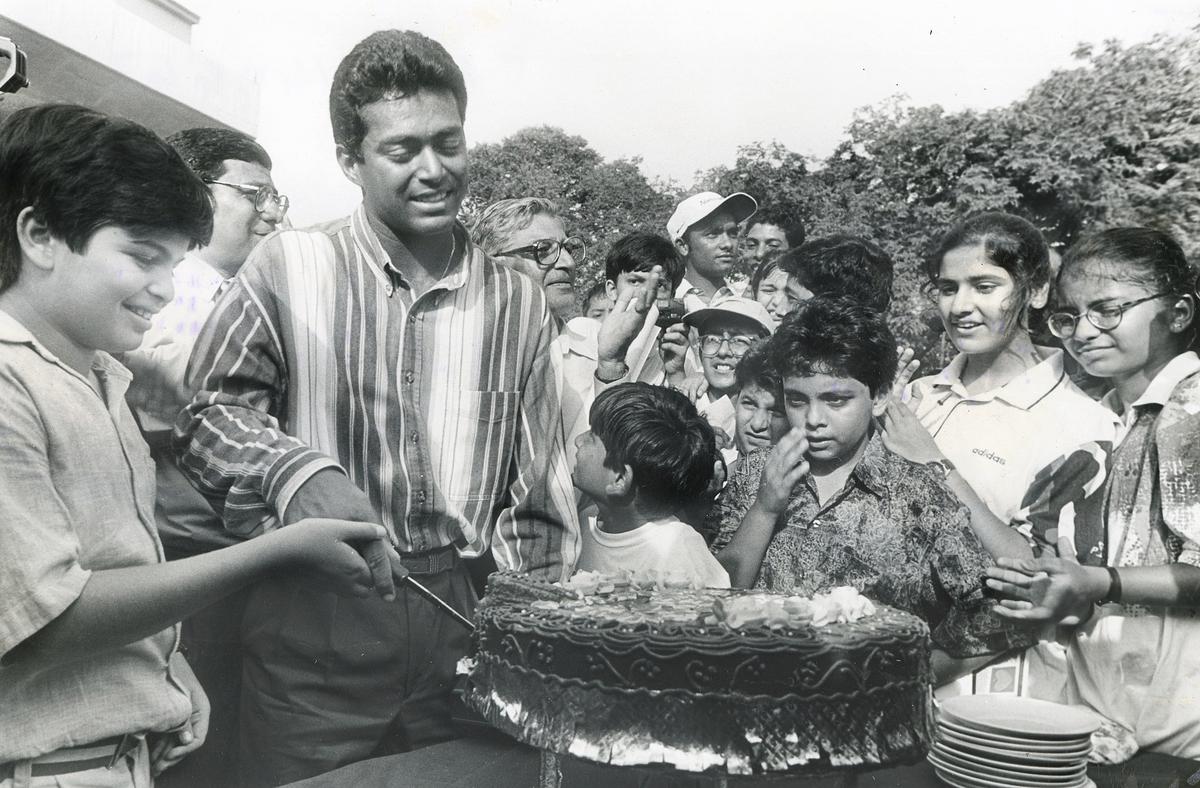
pixel 14 77
pixel 670 312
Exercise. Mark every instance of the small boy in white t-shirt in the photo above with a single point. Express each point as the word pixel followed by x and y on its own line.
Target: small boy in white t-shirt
pixel 647 454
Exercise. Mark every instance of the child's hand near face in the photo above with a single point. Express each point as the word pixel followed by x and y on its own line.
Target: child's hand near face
pixel 673 347
pixel 783 471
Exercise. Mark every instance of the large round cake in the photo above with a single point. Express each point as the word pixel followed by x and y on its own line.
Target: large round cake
pixel 632 673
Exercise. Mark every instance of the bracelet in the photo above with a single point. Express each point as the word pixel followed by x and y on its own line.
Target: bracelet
pixel 624 372
pixel 1114 586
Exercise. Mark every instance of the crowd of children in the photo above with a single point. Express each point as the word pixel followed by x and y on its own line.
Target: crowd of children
pixel 767 439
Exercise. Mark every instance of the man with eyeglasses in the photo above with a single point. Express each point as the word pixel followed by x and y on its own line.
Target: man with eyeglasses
pixel 726 329
pixel 246 208
pixel 528 234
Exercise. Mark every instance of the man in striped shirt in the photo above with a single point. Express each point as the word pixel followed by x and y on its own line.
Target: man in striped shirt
pixel 381 368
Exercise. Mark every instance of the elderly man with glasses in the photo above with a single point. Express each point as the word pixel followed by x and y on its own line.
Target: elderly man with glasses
pixel 529 235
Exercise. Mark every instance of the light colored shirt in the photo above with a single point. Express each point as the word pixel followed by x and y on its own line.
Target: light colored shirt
pixel 693 298
pixel 1002 440
pixel 159 390
pixel 186 521
pixel 666 545
pixel 76 495
pixel 578 349
pixel 1140 666
pixel 444 409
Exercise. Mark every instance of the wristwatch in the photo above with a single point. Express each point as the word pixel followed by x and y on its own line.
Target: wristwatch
pixel 943 466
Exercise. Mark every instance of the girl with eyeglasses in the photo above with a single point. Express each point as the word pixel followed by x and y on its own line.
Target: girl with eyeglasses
pixel 1126 309
pixel 1016 439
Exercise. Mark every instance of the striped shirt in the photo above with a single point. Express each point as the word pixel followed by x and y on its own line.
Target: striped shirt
pixel 444 409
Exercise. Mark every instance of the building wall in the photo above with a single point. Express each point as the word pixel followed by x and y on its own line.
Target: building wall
pixel 127 57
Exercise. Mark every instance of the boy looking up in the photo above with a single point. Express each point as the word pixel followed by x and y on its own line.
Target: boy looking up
pixel 829 505
pixel 94 214
pixel 648 454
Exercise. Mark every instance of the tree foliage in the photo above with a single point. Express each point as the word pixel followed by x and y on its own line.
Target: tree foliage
pixel 1114 140
pixel 600 200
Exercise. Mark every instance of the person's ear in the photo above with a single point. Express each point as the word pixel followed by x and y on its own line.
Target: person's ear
pixel 681 246
pixel 620 486
pixel 38 244
pixel 1183 314
pixel 880 401
pixel 610 289
pixel 1040 296
pixel 350 161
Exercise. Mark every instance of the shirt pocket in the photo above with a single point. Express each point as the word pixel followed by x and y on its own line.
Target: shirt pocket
pixel 478 451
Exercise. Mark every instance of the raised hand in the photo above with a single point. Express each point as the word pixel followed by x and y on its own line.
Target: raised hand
pixel 907 366
pixel 673 346
pixel 904 434
pixel 627 318
pixel 695 387
pixel 782 472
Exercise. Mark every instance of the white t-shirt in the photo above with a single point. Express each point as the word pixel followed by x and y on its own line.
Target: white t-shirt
pixel 1000 440
pixel 662 545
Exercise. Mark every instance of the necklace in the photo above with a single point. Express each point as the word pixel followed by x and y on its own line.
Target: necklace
pixel 450 258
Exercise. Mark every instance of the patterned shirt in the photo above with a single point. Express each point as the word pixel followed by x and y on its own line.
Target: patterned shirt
pixel 76 495
pixel 444 409
pixel 895 532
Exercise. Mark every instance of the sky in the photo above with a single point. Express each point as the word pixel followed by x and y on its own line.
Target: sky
pixel 679 83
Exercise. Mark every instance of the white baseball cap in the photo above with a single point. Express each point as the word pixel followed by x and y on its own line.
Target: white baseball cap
pixel 731 305
pixel 741 206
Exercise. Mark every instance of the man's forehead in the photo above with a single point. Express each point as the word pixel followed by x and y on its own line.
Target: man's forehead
pixel 718 218
pixel 248 172
pixel 425 113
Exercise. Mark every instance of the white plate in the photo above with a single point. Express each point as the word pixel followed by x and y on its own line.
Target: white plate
pixel 1009 770
pixel 969 779
pixel 1000 740
pixel 1013 752
pixel 957 782
pixel 1015 716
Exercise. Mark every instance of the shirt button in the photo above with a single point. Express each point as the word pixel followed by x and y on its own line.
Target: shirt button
pixel 420 496
pixel 412 318
pixel 408 376
pixel 414 437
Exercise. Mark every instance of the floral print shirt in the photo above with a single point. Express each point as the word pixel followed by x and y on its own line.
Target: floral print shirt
pixel 895 532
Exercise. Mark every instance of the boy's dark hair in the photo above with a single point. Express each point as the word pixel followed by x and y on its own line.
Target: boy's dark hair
pixel 756 369
pixel 658 433
pixel 1008 241
pixel 81 170
pixel 641 251
pixel 843 265
pixel 206 149
pixel 388 64
pixel 835 336
pixel 784 219
pixel 597 290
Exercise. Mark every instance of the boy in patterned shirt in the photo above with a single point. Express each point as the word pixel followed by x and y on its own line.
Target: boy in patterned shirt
pixel 830 505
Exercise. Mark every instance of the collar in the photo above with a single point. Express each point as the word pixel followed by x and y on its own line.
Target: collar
pixel 368 245
pixel 1159 391
pixel 207 279
pixel 14 332
pixel 1024 391
pixel 872 466
pixel 686 288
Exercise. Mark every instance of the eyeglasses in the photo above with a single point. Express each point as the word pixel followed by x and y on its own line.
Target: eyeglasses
pixel 263 196
pixel 738 345
pixel 1105 317
pixel 547 251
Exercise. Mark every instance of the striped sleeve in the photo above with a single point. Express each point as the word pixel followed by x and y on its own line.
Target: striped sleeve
pixel 538 532
pixel 228 439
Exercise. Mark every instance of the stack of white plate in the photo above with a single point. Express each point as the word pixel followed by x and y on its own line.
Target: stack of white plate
pixel 1002 741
